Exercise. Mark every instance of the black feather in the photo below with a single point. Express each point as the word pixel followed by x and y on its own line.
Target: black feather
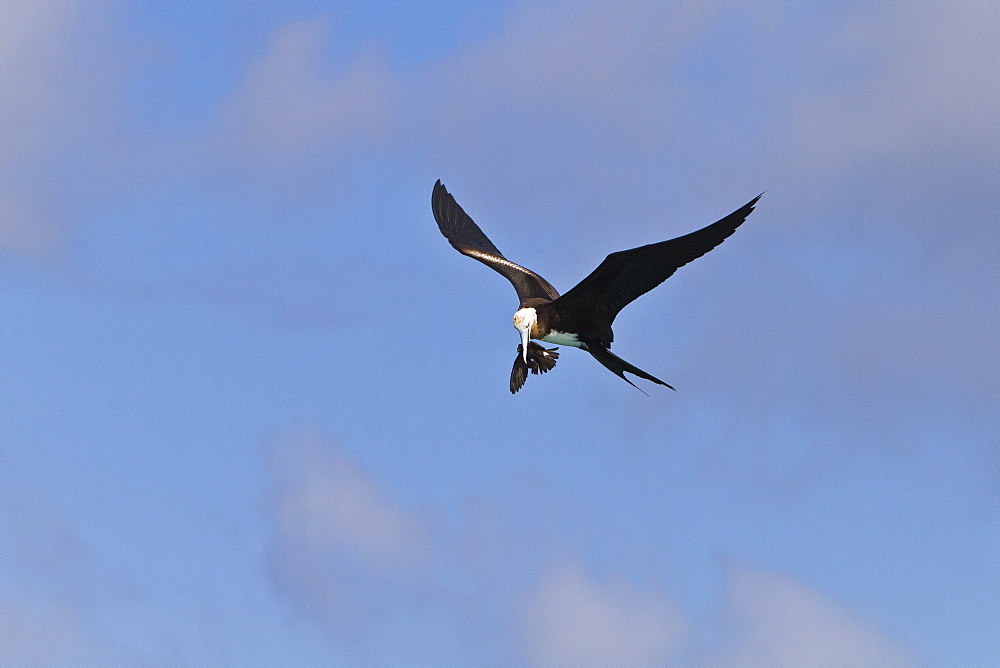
pixel 466 237
pixel 626 275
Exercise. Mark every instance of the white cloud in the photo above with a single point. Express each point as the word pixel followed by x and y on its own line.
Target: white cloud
pixel 776 621
pixel 35 40
pixel 930 83
pixel 574 620
pixel 355 560
pixel 56 635
pixel 343 551
pixel 63 133
pixel 34 45
pixel 291 101
pixel 324 502
pixel 609 62
pixel 49 585
pixel 71 143
pixel 297 115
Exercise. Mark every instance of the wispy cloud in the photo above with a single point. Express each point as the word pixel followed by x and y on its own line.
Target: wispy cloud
pixel 574 620
pixel 48 587
pixel 342 547
pixel 52 634
pixel 325 503
pixel 296 115
pixel 75 149
pixel 776 621
pixel 352 557
pixel 924 82
pixel 38 93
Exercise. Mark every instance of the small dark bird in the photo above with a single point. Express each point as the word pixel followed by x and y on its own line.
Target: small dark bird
pixel 582 317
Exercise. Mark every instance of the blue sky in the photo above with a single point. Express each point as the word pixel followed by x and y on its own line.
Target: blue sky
pixel 254 408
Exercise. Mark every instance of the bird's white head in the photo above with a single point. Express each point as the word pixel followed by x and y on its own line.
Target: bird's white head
pixel 524 319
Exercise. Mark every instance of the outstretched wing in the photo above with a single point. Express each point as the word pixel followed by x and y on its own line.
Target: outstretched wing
pixel 466 237
pixel 626 275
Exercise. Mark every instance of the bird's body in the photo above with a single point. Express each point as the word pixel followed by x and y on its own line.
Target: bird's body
pixel 582 317
pixel 546 324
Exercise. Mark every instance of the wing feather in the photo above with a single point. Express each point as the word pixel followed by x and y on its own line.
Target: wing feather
pixel 627 275
pixel 466 237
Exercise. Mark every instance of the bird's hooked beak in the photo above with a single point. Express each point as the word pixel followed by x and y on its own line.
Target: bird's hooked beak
pixel 525 335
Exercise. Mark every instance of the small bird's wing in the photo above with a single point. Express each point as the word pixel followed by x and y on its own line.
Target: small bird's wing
pixel 626 275
pixel 540 360
pixel 466 237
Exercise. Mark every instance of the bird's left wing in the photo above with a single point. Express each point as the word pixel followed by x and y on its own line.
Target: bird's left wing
pixel 466 237
pixel 626 275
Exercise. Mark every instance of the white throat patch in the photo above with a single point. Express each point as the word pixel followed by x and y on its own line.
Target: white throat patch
pixel 524 318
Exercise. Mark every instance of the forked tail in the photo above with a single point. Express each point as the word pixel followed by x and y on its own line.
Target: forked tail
pixel 618 366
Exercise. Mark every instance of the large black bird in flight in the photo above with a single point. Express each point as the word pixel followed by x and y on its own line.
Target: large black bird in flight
pixel 582 317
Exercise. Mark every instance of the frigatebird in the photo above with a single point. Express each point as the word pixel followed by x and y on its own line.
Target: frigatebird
pixel 582 317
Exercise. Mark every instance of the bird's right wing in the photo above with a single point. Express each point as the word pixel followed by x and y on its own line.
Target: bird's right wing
pixel 466 237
